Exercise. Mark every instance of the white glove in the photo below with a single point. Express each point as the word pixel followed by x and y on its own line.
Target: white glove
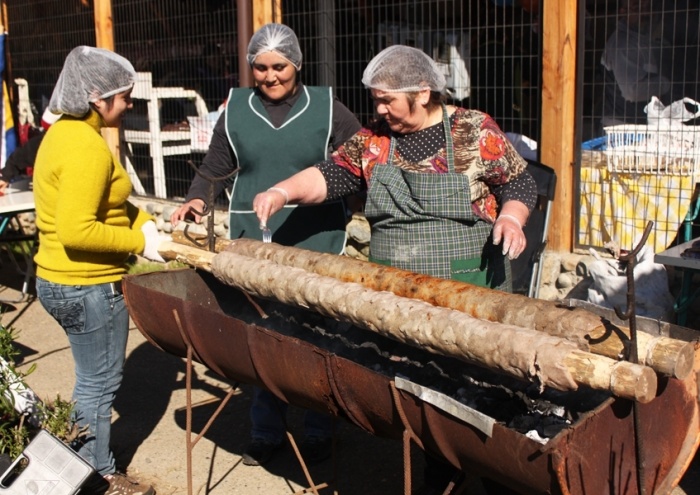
pixel 153 241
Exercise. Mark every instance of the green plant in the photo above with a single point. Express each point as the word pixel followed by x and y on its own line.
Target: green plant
pixel 13 431
pixel 14 437
pixel 57 419
pixel 7 350
pixel 17 429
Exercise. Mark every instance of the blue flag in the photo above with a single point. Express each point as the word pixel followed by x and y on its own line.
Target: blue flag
pixel 8 132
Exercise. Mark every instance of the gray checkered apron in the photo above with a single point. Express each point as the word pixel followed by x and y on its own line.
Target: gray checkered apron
pixel 424 223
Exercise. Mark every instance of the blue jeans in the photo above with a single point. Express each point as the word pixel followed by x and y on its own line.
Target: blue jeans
pixel 96 321
pixel 267 413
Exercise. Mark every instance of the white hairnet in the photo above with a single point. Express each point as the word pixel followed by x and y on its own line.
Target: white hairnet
pixel 403 69
pixel 276 38
pixel 90 74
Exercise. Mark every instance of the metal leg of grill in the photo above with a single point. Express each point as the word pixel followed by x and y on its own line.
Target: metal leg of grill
pixel 190 443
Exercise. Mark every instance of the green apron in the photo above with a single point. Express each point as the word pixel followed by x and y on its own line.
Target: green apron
pixel 424 223
pixel 267 155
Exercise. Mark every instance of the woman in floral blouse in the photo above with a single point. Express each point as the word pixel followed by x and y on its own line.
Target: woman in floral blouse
pixel 447 194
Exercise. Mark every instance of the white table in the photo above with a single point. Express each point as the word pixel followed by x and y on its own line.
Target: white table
pixel 12 204
pixel 16 202
pixel 673 257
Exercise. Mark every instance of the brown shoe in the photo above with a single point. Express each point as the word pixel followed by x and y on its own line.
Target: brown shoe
pixel 121 484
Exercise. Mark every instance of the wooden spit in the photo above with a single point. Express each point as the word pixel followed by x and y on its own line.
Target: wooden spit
pixel 524 353
pixel 592 333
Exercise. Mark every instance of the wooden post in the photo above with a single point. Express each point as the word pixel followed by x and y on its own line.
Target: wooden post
pixel 557 133
pixel 104 34
pixel 263 12
pixel 104 38
pixel 266 11
pixel 244 25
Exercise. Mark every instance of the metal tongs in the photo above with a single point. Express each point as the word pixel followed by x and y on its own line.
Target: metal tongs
pixel 210 239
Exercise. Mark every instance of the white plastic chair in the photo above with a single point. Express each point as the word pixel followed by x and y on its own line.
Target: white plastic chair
pixel 161 143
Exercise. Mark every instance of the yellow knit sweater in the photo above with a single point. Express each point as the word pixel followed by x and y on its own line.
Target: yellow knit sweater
pixel 87 227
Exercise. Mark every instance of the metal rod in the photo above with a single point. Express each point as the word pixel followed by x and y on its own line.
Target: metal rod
pixel 189 443
pixel 222 403
pixel 629 314
pixel 408 436
pixel 188 399
pixel 210 240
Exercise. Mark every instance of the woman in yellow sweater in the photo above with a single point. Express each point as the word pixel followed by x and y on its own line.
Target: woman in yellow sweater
pixel 87 231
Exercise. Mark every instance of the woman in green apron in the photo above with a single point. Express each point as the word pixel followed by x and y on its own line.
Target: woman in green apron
pixel 260 133
pixel 447 194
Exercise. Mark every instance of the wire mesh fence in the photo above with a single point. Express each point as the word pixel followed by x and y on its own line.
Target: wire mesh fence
pixel 639 56
pixel 489 53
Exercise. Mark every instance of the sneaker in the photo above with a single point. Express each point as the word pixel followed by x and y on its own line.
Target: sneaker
pixel 316 449
pixel 121 484
pixel 260 452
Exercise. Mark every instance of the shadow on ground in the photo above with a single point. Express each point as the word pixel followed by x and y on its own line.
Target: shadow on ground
pixel 150 376
pixel 360 459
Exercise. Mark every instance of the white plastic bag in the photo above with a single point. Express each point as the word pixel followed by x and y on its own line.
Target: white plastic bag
pixel 674 114
pixel 608 288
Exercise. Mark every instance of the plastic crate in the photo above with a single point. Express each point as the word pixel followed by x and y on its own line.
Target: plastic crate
pixel 47 467
pixel 595 144
pixel 653 150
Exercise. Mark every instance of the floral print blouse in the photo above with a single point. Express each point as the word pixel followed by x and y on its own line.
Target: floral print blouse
pixel 481 151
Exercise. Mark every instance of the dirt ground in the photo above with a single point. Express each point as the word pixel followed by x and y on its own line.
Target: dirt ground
pixel 149 429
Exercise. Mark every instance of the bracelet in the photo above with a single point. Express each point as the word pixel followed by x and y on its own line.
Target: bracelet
pixel 512 218
pixel 283 192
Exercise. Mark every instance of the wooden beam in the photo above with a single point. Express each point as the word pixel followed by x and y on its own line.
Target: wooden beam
pixel 253 14
pixel 266 11
pixel 104 33
pixel 104 38
pixel 244 26
pixel 557 141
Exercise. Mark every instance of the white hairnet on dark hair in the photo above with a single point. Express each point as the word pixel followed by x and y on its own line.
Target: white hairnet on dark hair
pixel 90 74
pixel 276 38
pixel 403 69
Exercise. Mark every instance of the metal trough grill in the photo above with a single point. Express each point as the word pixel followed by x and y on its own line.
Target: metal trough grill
pixel 242 339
